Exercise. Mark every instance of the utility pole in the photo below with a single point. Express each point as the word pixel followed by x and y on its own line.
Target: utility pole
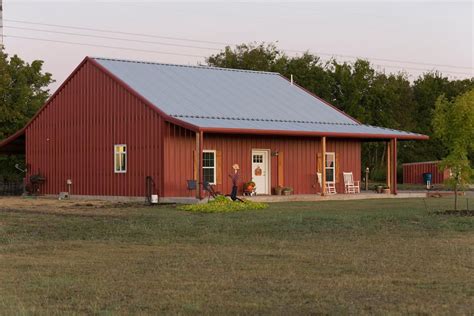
pixel 1 24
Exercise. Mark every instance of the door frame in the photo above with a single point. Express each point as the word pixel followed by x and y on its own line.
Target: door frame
pixel 269 168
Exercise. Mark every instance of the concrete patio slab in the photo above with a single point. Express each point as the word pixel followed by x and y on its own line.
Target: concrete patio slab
pixel 333 197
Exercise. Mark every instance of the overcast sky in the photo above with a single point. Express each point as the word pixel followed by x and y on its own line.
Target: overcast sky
pixel 422 33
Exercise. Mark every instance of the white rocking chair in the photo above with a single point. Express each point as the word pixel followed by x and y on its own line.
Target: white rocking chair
pixel 330 186
pixel 350 186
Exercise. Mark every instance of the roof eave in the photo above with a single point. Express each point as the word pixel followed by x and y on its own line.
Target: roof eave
pixel 214 130
pixel 7 141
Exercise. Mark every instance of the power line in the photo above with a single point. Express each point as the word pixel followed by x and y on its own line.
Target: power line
pixel 385 59
pixel 118 32
pixel 162 43
pixel 103 46
pixel 112 38
pixel 191 55
pixel 423 69
pixel 1 24
pixel 232 44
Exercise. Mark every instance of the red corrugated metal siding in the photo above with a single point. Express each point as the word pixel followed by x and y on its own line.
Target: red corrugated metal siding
pixel 179 145
pixel 413 172
pixel 74 137
pixel 300 159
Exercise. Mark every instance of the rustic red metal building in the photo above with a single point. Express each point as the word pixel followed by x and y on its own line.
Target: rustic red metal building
pixel 113 123
pixel 413 172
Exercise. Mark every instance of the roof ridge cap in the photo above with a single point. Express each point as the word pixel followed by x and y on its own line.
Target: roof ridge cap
pixel 186 66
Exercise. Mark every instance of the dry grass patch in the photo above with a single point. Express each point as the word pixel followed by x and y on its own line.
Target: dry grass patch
pixel 54 206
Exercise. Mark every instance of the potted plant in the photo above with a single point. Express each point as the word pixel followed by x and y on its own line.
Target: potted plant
pixel 379 188
pixel 386 190
pixel 287 190
pixel 278 190
pixel 250 186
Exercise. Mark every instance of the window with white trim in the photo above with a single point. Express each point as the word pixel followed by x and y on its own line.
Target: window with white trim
pixel 120 158
pixel 330 167
pixel 209 166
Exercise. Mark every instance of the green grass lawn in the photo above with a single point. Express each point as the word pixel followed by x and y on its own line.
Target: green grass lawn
pixel 366 256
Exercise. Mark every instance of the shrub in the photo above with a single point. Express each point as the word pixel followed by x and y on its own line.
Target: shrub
pixel 222 204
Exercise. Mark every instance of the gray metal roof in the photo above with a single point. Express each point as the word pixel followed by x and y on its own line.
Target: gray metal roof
pixel 211 97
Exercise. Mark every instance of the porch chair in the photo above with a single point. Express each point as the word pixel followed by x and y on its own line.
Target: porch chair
pixel 211 192
pixel 350 186
pixel 330 186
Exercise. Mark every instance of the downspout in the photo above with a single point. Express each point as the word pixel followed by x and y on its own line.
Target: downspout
pixel 199 150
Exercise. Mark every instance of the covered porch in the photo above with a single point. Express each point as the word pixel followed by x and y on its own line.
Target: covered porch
pixel 327 182
pixel 292 161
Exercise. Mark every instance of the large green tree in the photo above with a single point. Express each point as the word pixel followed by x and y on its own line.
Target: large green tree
pixel 453 124
pixel 23 90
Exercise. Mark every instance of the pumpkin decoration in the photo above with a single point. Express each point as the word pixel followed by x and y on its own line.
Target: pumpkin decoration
pixel 250 185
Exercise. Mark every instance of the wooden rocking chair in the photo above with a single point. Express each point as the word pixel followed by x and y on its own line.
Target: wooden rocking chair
pixel 350 186
pixel 330 186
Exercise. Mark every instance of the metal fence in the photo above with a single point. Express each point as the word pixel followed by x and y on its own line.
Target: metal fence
pixel 12 188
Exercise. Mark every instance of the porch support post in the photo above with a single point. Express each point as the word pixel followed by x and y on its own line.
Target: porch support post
pixel 323 171
pixel 394 166
pixel 201 173
pixel 389 167
pixel 199 149
pixel 281 181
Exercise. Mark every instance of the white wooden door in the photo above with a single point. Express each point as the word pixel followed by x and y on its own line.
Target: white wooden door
pixel 260 171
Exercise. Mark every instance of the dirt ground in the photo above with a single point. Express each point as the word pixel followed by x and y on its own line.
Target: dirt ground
pixel 53 206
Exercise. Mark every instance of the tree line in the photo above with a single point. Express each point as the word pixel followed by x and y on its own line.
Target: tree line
pixel 373 97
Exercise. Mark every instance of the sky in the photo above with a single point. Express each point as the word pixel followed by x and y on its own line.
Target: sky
pixel 413 37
